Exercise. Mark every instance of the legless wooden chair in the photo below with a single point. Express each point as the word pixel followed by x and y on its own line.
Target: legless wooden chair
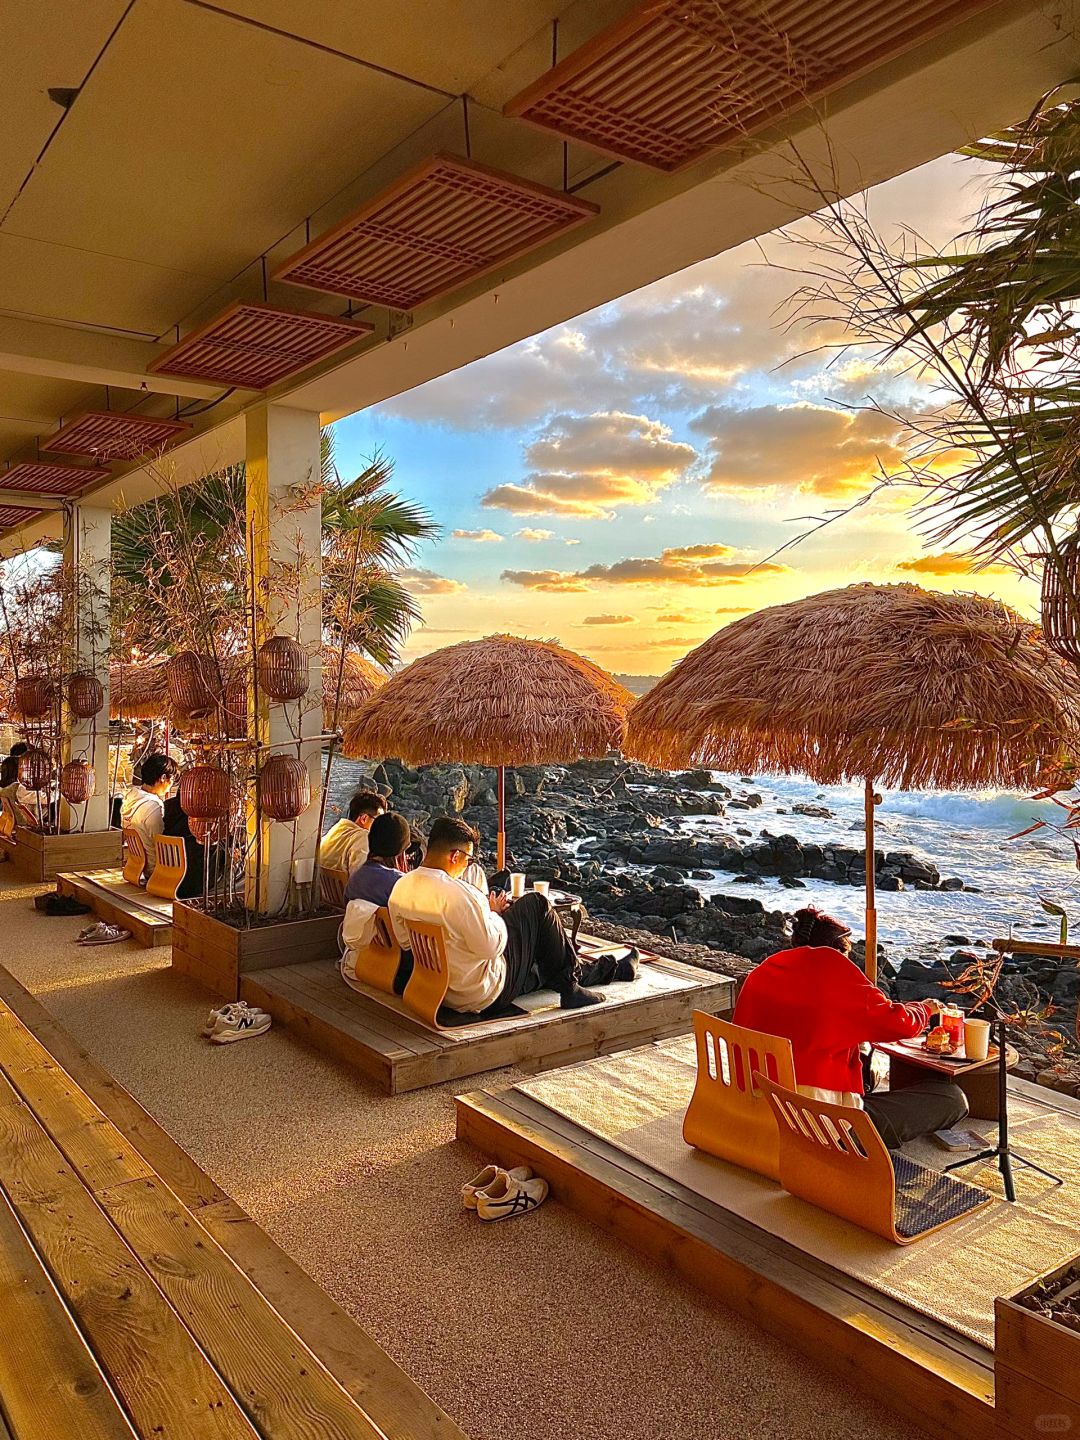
pixel 332 887
pixel 170 867
pixel 728 1115
pixel 430 976
pixel 135 862
pixel 377 964
pixel 833 1157
pixel 7 819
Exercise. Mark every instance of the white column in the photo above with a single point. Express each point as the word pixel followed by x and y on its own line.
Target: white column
pixel 87 561
pixel 285 533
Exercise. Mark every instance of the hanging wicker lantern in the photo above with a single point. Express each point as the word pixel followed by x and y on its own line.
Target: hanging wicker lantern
pixel 86 696
pixel 207 832
pixel 205 792
pixel 1061 600
pixel 283 669
pixel 234 709
pixel 35 769
pixel 189 691
pixel 284 788
pixel 33 696
pixel 78 782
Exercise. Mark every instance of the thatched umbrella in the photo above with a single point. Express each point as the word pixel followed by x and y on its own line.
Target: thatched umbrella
pixel 880 683
pixel 498 701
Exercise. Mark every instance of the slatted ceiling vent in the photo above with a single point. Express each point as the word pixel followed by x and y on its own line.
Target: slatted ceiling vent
pixel 112 435
pixel 254 346
pixel 14 515
pixel 49 478
pixel 437 227
pixel 678 79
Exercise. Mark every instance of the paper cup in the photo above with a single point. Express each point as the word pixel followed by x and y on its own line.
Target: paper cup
pixel 517 884
pixel 976 1039
pixel 541 886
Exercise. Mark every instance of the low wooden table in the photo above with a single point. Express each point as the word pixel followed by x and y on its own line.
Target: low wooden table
pixel 977 1078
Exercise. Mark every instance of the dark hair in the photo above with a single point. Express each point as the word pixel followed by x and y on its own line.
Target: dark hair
pixel 813 927
pixel 388 837
pixel 447 833
pixel 19 748
pixel 366 802
pixel 155 768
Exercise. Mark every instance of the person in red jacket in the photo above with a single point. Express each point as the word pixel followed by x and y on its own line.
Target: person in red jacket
pixel 814 995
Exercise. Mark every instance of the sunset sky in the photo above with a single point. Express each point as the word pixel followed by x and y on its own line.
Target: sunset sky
pixel 609 482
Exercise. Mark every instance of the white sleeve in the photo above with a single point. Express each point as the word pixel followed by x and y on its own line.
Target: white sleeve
pixel 398 925
pixel 482 932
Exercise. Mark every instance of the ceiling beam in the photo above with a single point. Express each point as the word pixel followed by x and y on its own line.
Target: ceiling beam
pixel 93 357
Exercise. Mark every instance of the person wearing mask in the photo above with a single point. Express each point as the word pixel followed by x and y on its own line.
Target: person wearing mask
pixel 814 995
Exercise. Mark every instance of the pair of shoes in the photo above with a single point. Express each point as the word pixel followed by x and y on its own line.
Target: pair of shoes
pixel 102 934
pixel 498 1194
pixel 236 1021
pixel 54 904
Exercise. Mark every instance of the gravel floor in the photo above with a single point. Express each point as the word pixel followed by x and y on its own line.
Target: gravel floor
pixel 543 1328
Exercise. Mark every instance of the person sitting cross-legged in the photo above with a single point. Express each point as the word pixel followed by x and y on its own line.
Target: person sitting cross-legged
pixel 345 844
pixel 813 994
pixel 497 949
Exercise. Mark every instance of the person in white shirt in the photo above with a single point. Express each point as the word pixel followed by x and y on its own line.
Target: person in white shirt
pixel 143 809
pixel 497 949
pixel 345 844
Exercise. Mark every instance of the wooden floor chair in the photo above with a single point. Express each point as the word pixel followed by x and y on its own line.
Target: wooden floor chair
pixel 377 964
pixel 135 857
pixel 332 887
pixel 833 1157
pixel 728 1115
pixel 170 867
pixel 7 819
pixel 430 976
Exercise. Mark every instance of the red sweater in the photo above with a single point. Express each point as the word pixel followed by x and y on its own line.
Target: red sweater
pixel 827 1008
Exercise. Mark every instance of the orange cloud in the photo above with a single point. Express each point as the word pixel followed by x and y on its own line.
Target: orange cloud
pixel 554 582
pixel 610 620
pixel 481 537
pixel 426 582
pixel 951 562
pixel 669 568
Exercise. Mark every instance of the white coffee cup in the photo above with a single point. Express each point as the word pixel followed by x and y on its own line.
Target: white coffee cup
pixel 541 886
pixel 517 884
pixel 976 1039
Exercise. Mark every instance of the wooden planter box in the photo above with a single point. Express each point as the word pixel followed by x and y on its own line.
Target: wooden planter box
pixel 42 857
pixel 1036 1369
pixel 216 955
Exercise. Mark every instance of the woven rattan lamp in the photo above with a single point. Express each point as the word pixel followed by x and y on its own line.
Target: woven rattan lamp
pixel 284 671
pixel 33 696
pixel 205 792
pixel 284 788
pixel 86 696
pixel 1061 601
pixel 77 782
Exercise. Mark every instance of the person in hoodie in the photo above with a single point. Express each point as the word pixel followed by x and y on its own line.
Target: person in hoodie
pixel 813 994
pixel 345 844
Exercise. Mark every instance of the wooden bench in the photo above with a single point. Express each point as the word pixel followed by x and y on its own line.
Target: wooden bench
pixel 137 1300
pixel 114 900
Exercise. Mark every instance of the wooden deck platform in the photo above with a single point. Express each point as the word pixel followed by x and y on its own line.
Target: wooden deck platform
pixel 138 1300
pixel 112 899
pixel 942 1381
pixel 374 1033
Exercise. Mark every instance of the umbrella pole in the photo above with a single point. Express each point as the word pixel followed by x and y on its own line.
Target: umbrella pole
pixel 871 908
pixel 501 857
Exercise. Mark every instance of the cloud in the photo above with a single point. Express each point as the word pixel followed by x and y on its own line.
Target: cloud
pixel 610 620
pixel 554 582
pixel 482 537
pixel 799 447
pixel 735 610
pixel 669 568
pixel 698 552
pixel 583 465
pixel 534 537
pixel 951 562
pixel 680 617
pixel 426 582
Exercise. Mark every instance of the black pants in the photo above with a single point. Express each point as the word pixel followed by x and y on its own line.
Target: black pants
pixel 538 954
pixel 915 1110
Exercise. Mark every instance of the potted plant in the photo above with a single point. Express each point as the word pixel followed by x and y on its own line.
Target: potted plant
pixel 1037 1355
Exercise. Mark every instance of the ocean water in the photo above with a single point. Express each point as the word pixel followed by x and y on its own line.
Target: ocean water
pixel 964 834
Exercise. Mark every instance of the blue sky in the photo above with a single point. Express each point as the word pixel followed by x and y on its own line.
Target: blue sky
pixel 616 482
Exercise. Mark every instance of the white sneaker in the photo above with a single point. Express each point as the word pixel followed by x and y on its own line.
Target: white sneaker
pixel 505 1198
pixel 470 1193
pixel 223 1012
pixel 242 1024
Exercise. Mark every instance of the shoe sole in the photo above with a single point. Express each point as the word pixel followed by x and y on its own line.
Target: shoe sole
pixel 221 1038
pixel 510 1214
pixel 209 1030
pixel 106 940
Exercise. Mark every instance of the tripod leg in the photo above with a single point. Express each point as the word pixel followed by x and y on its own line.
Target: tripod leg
pixel 1005 1165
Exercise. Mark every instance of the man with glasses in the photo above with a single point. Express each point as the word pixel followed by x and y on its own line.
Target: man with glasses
pixel 496 949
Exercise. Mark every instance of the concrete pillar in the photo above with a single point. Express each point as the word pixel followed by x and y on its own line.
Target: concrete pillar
pixel 285 534
pixel 87 562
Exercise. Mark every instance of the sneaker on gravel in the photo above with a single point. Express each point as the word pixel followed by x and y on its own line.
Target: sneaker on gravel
pixel 470 1193
pixel 505 1197
pixel 226 1012
pixel 103 934
pixel 242 1024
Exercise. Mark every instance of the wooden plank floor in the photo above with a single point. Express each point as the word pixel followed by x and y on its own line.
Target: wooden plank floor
pixel 940 1380
pixel 374 1033
pixel 112 899
pixel 122 1314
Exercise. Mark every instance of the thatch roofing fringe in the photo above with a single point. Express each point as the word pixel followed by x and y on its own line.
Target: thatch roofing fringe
pixel 912 688
pixel 497 701
pixel 141 691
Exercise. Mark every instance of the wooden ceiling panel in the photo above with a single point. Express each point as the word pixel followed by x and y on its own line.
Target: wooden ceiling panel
pixel 678 79
pixel 11 515
pixel 50 477
pixel 440 225
pixel 115 435
pixel 255 346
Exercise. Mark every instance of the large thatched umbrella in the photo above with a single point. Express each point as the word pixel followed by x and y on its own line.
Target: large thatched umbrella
pixel 141 691
pixel 498 701
pixel 880 683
